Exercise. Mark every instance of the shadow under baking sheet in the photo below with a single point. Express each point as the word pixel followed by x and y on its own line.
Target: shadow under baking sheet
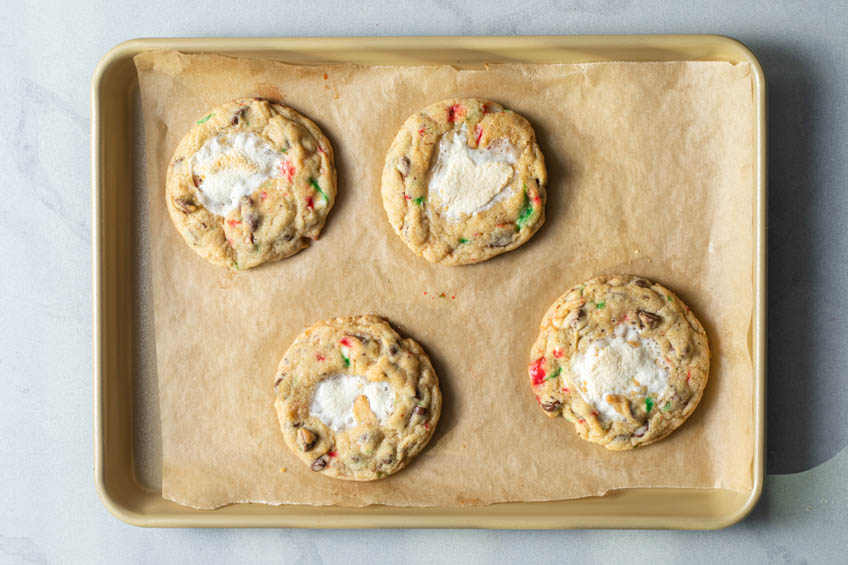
pixel 807 383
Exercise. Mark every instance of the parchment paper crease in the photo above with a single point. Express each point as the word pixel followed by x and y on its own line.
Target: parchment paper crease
pixel 650 168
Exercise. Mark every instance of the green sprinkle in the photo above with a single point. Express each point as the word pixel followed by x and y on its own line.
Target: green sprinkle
pixel 315 185
pixel 667 407
pixel 256 247
pixel 206 119
pixel 418 201
pixel 600 305
pixel 235 265
pixel 526 212
pixel 581 289
pixel 649 404
pixel 346 360
pixel 507 110
pixel 555 374
pixel 284 150
pixel 463 241
pixel 669 297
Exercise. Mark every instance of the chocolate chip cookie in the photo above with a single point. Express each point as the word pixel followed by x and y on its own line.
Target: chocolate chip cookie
pixel 251 182
pixel 464 181
pixel 622 358
pixel 355 400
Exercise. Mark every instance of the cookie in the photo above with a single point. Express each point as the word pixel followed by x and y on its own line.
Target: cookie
pixel 622 358
pixel 464 181
pixel 251 182
pixel 356 401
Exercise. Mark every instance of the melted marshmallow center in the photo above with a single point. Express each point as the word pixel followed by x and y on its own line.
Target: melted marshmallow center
pixel 624 364
pixel 231 166
pixel 467 181
pixel 333 400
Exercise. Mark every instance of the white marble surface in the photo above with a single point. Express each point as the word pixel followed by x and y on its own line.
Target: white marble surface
pixel 53 513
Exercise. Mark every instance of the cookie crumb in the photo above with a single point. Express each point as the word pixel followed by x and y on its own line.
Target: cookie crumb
pixel 282 469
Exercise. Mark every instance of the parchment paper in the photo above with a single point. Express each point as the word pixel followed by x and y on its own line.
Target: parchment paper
pixel 650 168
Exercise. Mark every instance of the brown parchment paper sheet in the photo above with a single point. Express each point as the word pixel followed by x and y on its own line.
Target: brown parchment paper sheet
pixel 651 173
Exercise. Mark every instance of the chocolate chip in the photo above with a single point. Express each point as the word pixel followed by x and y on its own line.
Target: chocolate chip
pixel 278 381
pixel 238 115
pixel 403 166
pixel 393 350
pixel 306 439
pixel 185 206
pixel 320 463
pixel 288 237
pixel 551 405
pixel 640 283
pixel 196 180
pixel 575 317
pixel 362 338
pixel 502 239
pixel 537 182
pixel 420 410
pixel 252 221
pixel 649 318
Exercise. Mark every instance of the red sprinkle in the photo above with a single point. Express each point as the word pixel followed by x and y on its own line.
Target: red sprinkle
pixel 345 341
pixel 321 149
pixel 582 421
pixel 595 413
pixel 426 425
pixel 537 199
pixel 479 131
pixel 537 372
pixel 425 292
pixel 688 375
pixel 320 357
pixel 332 453
pixel 233 223
pixel 263 195
pixel 564 389
pixel 287 170
pixel 309 203
pixel 485 108
pixel 407 197
pixel 325 76
pixel 421 131
pixel 453 297
pixel 557 352
pixel 454 112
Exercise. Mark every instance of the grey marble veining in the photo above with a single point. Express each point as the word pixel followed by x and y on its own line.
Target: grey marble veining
pixel 50 50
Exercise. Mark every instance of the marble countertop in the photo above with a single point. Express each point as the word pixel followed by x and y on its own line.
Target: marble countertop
pixel 50 51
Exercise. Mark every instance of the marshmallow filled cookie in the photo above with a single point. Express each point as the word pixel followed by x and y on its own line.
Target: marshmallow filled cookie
pixel 251 182
pixel 355 400
pixel 622 358
pixel 464 180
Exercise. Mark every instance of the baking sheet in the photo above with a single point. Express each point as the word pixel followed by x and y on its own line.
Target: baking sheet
pixel 650 168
